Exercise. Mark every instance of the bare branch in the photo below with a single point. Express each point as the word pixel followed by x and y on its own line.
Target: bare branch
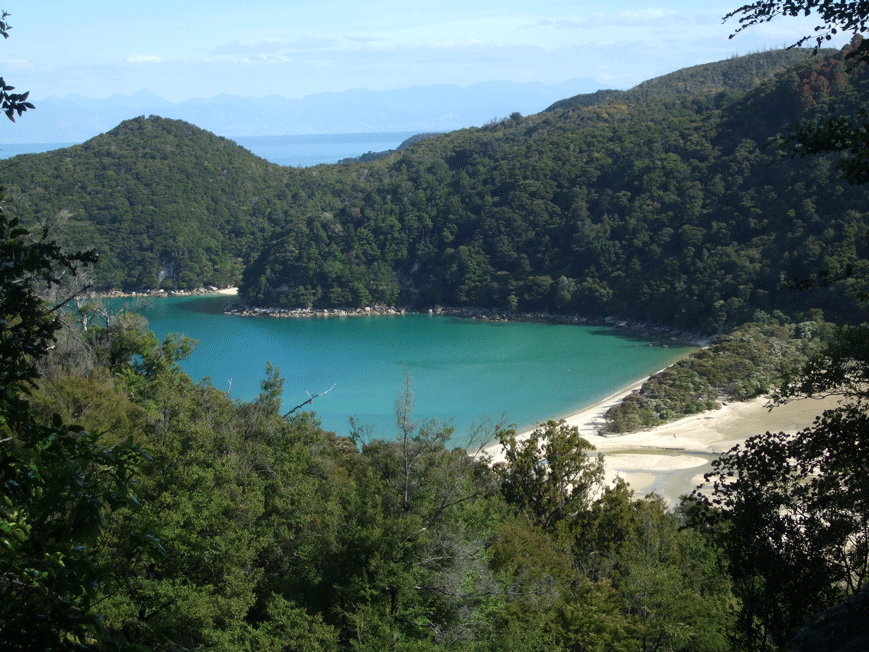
pixel 310 399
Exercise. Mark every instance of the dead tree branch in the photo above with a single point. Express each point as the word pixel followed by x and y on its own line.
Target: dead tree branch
pixel 311 398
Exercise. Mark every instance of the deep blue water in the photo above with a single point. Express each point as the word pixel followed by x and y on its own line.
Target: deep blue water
pixel 301 150
pixel 462 370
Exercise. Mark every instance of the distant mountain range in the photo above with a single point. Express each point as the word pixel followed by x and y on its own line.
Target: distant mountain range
pixel 76 118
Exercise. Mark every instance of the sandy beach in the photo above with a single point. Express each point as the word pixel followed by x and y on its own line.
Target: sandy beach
pixel 671 459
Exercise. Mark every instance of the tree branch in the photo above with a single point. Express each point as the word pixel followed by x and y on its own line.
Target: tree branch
pixel 310 399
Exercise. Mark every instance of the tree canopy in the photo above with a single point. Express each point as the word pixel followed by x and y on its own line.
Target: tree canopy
pixel 795 505
pixel 172 517
pixel 834 17
pixel 838 133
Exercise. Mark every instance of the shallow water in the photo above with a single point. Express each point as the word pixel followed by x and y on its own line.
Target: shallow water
pixel 462 370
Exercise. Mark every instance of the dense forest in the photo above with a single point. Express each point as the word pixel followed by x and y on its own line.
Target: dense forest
pixel 170 517
pixel 248 530
pixel 140 510
pixel 658 204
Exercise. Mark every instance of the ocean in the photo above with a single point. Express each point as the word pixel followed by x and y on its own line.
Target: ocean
pixel 299 150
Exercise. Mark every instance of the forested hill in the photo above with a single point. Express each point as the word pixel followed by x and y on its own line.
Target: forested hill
pixel 658 208
pixel 734 75
pixel 164 202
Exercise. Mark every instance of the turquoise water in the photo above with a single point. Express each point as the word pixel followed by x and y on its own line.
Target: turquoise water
pixel 462 370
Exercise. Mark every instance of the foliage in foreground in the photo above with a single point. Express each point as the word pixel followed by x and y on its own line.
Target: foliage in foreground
pixel 796 509
pixel 61 487
pixel 244 529
pixel 277 535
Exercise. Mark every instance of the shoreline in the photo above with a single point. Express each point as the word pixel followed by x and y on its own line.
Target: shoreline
pixel 210 290
pixel 588 420
pixel 670 459
pixel 664 336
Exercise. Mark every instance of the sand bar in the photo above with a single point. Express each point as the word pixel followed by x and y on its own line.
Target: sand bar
pixel 670 459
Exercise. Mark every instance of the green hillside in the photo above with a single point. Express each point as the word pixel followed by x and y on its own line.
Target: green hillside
pixel 660 207
pixel 141 510
pixel 734 75
pixel 164 203
pixel 664 209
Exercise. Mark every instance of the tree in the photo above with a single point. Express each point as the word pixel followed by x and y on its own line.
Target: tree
pixel 11 103
pixel 837 134
pixel 796 508
pixel 846 134
pixel 59 486
pixel 796 513
pixel 410 561
pixel 845 16
pixel 840 628
pixel 551 474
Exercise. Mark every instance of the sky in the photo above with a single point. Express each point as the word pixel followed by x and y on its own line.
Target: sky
pixel 201 48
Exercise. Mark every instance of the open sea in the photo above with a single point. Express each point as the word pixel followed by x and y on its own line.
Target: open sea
pixel 463 371
pixel 300 150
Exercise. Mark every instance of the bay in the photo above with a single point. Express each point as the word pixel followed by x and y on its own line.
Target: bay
pixel 463 371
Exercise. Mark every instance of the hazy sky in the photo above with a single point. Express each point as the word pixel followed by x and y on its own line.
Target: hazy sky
pixel 199 48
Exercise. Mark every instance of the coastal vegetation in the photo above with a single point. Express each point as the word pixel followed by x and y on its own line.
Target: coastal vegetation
pixel 172 517
pixel 752 360
pixel 144 510
pixel 656 204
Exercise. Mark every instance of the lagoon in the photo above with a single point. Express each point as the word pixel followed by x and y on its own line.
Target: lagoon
pixel 463 371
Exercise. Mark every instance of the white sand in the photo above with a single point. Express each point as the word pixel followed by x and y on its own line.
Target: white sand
pixel 229 292
pixel 671 459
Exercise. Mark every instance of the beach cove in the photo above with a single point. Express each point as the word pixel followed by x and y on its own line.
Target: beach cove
pixel 669 459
